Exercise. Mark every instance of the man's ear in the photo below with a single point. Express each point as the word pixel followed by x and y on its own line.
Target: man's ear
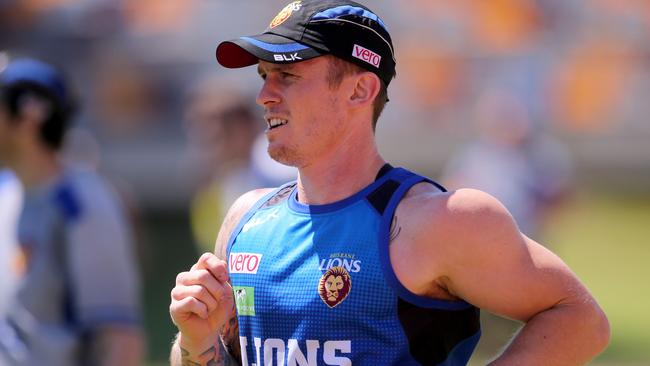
pixel 33 111
pixel 365 89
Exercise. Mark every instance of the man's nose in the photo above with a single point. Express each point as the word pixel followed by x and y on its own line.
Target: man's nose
pixel 268 94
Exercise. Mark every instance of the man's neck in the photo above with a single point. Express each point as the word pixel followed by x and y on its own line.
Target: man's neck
pixel 37 168
pixel 339 175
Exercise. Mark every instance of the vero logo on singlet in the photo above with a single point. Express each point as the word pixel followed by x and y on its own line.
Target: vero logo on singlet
pixel 244 262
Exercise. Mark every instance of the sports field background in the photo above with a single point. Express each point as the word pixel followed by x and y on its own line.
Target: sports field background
pixel 605 239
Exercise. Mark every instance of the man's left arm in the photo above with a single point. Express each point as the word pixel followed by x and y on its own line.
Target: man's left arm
pixel 493 266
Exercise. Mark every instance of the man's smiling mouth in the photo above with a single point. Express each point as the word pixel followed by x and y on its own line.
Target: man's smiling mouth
pixel 276 122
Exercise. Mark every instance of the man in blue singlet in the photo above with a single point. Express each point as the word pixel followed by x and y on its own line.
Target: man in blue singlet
pixel 76 302
pixel 358 262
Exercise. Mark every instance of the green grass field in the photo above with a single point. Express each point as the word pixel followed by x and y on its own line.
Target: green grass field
pixel 605 239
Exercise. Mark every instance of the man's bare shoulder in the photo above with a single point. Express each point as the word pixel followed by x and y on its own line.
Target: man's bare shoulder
pixel 457 208
pixel 246 201
pixel 236 212
pixel 444 232
pixel 452 223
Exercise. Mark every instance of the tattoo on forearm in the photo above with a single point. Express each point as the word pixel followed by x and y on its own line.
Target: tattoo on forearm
pixel 230 336
pixel 185 354
pixel 395 229
pixel 223 358
pixel 216 358
pixel 219 357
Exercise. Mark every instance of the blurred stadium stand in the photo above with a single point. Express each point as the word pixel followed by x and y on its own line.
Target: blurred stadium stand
pixel 583 67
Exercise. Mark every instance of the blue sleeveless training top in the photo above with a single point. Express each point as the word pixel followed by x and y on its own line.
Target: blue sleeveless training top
pixel 313 285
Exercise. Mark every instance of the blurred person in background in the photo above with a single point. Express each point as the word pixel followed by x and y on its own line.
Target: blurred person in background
pixel 11 197
pixel 358 262
pixel 225 132
pixel 77 300
pixel 512 159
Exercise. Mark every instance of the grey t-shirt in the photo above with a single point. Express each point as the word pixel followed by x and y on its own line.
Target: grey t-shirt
pixel 80 271
pixel 10 203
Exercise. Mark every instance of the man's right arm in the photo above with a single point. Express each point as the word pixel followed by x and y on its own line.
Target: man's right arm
pixel 202 305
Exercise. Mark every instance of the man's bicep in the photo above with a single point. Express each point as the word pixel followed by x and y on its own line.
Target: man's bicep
pixel 501 270
pixel 235 214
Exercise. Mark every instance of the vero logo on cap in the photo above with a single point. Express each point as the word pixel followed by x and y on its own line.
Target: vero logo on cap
pixel 366 55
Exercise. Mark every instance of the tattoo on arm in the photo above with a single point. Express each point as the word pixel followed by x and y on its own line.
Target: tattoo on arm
pixel 224 358
pixel 220 357
pixel 230 335
pixel 395 229
pixel 184 358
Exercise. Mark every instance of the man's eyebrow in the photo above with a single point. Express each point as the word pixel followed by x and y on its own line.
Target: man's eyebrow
pixel 274 67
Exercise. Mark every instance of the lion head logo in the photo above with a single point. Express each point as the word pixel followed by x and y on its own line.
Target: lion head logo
pixel 285 13
pixel 334 286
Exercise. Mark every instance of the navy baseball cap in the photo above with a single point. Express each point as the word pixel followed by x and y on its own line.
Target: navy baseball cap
pixel 26 70
pixel 311 28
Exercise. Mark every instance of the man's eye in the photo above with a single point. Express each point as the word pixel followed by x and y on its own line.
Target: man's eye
pixel 286 74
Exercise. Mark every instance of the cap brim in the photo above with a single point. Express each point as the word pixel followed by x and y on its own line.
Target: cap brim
pixel 246 51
